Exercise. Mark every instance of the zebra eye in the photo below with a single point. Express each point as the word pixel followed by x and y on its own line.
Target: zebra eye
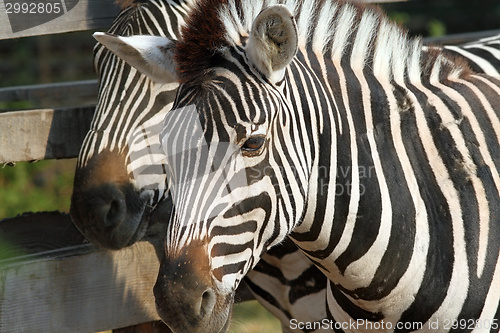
pixel 254 143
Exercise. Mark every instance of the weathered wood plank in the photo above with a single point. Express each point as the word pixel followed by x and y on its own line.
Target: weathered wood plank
pixel 86 15
pixel 63 284
pixel 53 90
pixel 35 233
pixel 71 286
pixel 153 327
pixel 90 292
pixel 43 134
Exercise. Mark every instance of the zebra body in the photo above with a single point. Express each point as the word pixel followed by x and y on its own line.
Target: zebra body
pixel 483 55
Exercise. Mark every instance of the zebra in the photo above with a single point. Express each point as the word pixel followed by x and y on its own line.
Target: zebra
pixel 108 158
pixel 112 197
pixel 287 290
pixel 261 274
pixel 328 59
pixel 482 55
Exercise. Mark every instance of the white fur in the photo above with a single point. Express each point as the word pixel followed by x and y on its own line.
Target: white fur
pixel 149 54
pixel 304 21
pixel 344 27
pixel 324 27
pixel 362 42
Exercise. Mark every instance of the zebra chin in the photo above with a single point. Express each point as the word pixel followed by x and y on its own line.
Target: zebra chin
pixel 188 298
pixel 105 206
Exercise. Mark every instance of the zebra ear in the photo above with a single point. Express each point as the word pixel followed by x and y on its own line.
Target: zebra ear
pixel 273 41
pixel 150 55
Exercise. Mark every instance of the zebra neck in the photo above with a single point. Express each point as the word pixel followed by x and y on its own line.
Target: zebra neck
pixel 344 103
pixel 360 213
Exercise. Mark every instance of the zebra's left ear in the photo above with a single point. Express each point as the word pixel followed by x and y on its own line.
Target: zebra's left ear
pixel 150 55
pixel 273 41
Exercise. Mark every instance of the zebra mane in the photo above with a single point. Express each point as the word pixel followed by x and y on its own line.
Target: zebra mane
pixel 329 28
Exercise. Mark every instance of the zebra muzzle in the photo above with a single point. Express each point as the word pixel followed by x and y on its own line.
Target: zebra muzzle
pixel 187 299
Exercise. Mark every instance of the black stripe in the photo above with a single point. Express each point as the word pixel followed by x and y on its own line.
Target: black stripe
pixel 437 274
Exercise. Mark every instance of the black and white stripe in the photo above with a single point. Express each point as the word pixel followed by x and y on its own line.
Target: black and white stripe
pixel 124 97
pixel 410 136
pixel 483 55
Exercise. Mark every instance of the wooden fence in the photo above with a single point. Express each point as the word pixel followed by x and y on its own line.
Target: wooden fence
pixel 55 281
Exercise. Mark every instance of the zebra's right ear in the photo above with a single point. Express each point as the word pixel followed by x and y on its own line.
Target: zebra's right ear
pixel 150 55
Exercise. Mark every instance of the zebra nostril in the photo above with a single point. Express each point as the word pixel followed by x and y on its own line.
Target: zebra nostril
pixel 114 212
pixel 207 302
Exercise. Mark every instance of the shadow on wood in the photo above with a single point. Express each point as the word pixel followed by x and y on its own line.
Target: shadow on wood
pixel 57 282
pixel 53 280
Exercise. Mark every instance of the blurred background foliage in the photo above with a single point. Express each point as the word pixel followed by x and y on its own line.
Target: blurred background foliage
pixel 41 186
pixel 47 185
pixel 441 17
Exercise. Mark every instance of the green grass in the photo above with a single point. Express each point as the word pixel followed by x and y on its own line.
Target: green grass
pixel 251 317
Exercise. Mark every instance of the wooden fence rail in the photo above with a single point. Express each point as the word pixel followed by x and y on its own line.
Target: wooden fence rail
pixel 87 88
pixel 43 134
pixel 53 280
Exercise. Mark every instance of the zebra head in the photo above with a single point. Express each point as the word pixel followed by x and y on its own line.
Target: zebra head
pixel 222 161
pixel 219 143
pixel 119 174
